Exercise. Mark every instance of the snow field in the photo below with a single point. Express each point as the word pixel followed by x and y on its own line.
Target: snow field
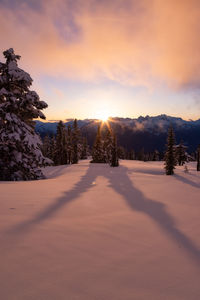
pixel 93 232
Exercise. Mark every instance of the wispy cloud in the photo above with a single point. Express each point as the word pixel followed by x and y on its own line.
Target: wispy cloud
pixel 132 42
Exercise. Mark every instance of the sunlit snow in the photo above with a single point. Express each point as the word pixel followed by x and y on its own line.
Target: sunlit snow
pixel 92 232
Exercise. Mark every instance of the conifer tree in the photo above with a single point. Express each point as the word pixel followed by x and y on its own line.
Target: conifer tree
pixel 121 152
pixel 156 156
pixel 84 149
pixel 61 145
pixel 52 148
pixel 141 155
pixel 198 158
pixel 131 155
pixel 114 157
pixel 46 148
pixel 180 154
pixel 75 142
pixel 107 145
pixel 69 144
pixel 20 147
pixel 97 151
pixel 170 156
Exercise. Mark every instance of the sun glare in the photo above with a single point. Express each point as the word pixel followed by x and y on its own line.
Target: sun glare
pixel 103 116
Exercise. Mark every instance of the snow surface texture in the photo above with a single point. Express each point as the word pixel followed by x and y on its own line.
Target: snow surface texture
pixel 92 232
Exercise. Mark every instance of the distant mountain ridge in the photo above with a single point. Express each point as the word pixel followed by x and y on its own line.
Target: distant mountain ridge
pixel 147 132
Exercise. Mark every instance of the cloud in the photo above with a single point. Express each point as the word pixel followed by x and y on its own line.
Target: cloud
pixel 132 42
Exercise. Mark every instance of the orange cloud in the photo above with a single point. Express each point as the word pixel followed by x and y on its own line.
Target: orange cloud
pixel 133 42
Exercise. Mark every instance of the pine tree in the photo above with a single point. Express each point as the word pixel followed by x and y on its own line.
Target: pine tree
pixel 20 147
pixel 75 142
pixel 156 156
pixel 107 146
pixel 170 156
pixel 141 155
pixel 69 144
pixel 52 148
pixel 97 151
pixel 131 155
pixel 181 154
pixel 61 145
pixel 121 152
pixel 198 158
pixel 84 149
pixel 114 157
pixel 46 148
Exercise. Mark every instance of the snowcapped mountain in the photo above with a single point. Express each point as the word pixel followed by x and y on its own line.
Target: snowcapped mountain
pixel 44 128
pixel 144 132
pixel 159 123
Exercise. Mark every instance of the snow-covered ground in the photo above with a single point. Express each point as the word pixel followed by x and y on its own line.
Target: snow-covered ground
pixel 91 232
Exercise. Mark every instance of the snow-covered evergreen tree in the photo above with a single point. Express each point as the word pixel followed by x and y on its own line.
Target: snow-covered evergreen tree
pixel 97 151
pixel 170 155
pixel 20 147
pixel 114 162
pixel 61 145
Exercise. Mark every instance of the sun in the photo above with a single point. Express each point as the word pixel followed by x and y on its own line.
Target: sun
pixel 103 115
pixel 104 118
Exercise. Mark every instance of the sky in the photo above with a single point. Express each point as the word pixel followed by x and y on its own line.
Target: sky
pixel 123 58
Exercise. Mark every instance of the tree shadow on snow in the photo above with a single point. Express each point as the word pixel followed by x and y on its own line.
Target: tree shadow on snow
pixel 187 181
pixel 147 171
pixel 53 172
pixel 120 182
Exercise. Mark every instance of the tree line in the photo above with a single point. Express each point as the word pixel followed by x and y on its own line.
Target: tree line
pixel 69 146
